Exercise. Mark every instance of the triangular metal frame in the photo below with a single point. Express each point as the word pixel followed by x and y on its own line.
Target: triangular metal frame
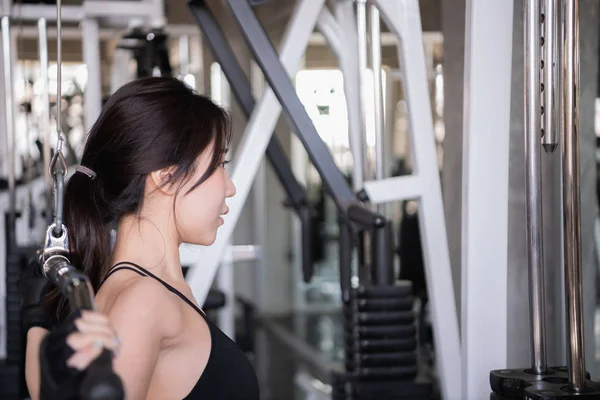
pixel 403 18
pixel 254 142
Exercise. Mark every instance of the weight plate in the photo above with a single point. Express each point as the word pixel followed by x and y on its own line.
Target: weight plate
pixel 380 345
pixel 399 289
pixel 404 303
pixel 382 331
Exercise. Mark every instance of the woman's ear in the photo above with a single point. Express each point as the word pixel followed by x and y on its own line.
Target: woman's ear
pixel 162 179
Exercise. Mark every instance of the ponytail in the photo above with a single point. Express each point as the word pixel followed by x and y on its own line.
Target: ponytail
pixel 88 225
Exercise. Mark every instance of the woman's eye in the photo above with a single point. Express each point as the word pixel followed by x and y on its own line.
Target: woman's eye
pixel 224 163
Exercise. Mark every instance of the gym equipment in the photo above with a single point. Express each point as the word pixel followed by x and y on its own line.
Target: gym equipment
pixel 100 381
pixel 18 254
pixel 560 92
pixel 374 324
pixel 9 104
pixel 150 51
pixel 11 377
pixel 240 87
pixel 375 39
pixel 380 345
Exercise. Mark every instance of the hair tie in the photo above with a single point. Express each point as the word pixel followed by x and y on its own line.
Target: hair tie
pixel 85 170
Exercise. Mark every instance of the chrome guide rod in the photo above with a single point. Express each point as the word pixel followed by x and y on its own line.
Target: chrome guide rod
pixel 361 28
pixel 45 126
pixel 571 197
pixel 377 90
pixel 550 75
pixel 9 112
pixel 534 186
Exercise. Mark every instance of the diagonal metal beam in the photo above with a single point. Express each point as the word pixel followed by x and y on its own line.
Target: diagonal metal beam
pixel 340 34
pixel 242 91
pixel 281 85
pixel 240 86
pixel 255 140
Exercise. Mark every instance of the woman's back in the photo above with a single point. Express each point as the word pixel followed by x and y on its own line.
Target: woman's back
pixel 195 361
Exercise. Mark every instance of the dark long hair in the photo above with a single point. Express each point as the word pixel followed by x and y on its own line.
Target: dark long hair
pixel 146 125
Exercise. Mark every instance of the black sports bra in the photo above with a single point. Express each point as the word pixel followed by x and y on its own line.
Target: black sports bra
pixel 228 374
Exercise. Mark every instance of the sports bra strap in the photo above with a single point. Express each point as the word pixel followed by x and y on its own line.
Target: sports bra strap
pixel 145 273
pixel 118 267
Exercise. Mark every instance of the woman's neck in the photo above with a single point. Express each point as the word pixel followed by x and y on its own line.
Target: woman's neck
pixel 148 243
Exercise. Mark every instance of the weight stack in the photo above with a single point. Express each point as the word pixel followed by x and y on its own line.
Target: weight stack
pixel 380 343
pixel 11 368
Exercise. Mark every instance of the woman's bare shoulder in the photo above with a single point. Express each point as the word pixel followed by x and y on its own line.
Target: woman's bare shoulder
pixel 140 301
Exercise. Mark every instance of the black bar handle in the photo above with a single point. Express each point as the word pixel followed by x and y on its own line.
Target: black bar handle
pixel 345 259
pixel 382 253
pixel 72 283
pixel 100 382
pixel 307 261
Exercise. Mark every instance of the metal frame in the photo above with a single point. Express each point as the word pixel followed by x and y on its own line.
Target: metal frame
pixel 277 76
pixel 75 33
pixel 259 197
pixel 88 12
pixel 7 69
pixel 488 52
pixel 9 107
pixel 311 387
pixel 4 202
pixel 533 176
pixel 404 20
pixel 89 9
pixel 256 136
pixel 225 282
pixel 243 93
pixel 340 34
pixel 91 57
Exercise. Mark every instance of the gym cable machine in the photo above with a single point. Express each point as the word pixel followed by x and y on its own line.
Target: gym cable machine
pixel 99 380
pixel 551 107
pixel 380 339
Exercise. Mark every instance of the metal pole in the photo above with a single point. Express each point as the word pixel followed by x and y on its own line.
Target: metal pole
pixel 9 111
pixel 340 33
pixel 550 76
pixel 534 186
pixel 361 29
pixel 59 69
pixel 571 201
pixel 91 55
pixel 45 125
pixel 345 259
pixel 377 91
pixel 184 54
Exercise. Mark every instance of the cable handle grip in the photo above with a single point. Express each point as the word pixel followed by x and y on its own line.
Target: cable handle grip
pixel 100 381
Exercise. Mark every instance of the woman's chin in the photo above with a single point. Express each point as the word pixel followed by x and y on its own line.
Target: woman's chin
pixel 209 238
pixel 206 240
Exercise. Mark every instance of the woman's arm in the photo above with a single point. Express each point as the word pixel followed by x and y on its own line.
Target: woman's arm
pixel 142 316
pixel 32 360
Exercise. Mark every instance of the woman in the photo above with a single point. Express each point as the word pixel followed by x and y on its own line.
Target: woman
pixel 153 169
